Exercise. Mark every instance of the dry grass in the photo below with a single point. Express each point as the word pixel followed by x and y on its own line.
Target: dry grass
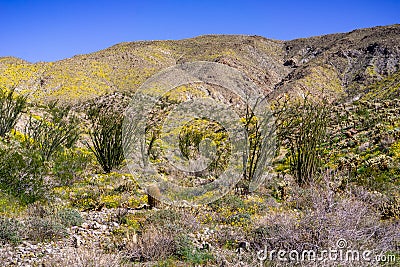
pixel 321 217
pixel 84 257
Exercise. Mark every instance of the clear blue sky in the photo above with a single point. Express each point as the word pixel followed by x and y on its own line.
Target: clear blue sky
pixel 53 30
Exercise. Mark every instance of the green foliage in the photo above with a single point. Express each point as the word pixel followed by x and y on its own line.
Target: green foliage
pixel 364 143
pixel 56 130
pixel 386 88
pixel 45 223
pixel 166 263
pixel 172 221
pixel 302 125
pixel 230 201
pixel 10 205
pixel 70 217
pixel 239 219
pixel 188 253
pixel 165 218
pixel 69 164
pixel 106 137
pixel 260 234
pixel 96 191
pixel 252 126
pixel 22 172
pixel 11 106
pixel 9 231
pixel 44 229
pixel 199 130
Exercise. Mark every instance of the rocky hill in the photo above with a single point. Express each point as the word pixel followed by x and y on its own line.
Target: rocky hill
pixel 350 64
pixel 67 198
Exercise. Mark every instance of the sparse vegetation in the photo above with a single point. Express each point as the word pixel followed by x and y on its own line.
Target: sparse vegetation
pixel 11 106
pixel 9 231
pixel 335 175
pixel 302 125
pixel 22 172
pixel 57 129
pixel 106 138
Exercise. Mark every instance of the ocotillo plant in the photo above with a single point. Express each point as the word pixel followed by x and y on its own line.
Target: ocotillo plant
pixel 11 106
pixel 106 137
pixel 302 124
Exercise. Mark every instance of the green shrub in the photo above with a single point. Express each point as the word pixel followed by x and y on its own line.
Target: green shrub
pixel 10 205
pixel 188 253
pixel 106 138
pixel 240 219
pixel 166 263
pixel 68 165
pixel 173 221
pixel 301 126
pixel 56 130
pixel 165 218
pixel 192 134
pixel 11 106
pixel 9 231
pixel 22 172
pixel 44 229
pixel 229 201
pixel 70 217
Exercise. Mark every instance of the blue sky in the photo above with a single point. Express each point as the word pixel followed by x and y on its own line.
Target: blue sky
pixel 53 30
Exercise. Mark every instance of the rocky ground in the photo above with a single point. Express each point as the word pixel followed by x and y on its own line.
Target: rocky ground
pixel 94 232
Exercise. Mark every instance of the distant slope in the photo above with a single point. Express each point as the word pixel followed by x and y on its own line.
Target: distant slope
pixel 341 65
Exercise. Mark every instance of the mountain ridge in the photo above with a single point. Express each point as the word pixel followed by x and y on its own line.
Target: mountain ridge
pixel 340 64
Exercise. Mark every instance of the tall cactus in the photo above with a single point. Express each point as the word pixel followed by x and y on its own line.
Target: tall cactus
pixel 11 106
pixel 302 124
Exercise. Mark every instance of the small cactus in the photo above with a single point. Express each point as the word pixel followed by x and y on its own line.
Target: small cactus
pixel 153 196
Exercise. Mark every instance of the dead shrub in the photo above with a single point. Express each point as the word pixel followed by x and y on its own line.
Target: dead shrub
pixel 154 244
pixel 83 257
pixel 323 217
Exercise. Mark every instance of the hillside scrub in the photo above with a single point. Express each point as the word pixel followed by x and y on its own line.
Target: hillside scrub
pixel 335 176
pixel 106 137
pixel 58 129
pixel 11 106
pixel 302 124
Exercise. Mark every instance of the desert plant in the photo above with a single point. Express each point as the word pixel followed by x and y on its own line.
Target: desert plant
pixel 153 244
pixel 106 137
pixel 70 165
pixel 9 230
pixel 11 106
pixel 69 217
pixel 302 124
pixel 186 251
pixel 57 129
pixel 229 201
pixel 173 221
pixel 22 172
pixel 260 133
pixel 197 131
pixel 324 217
pixel 83 257
pixel 42 229
pixel 153 196
pixel 252 127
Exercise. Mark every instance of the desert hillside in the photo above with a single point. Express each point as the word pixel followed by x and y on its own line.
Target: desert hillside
pixel 67 197
pixel 347 64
